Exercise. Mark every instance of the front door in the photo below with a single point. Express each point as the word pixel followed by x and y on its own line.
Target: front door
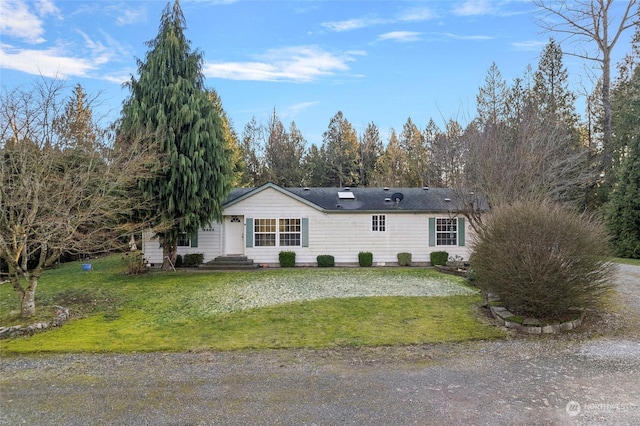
pixel 234 235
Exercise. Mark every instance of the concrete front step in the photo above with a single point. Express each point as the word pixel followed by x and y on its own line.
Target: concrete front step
pixel 230 262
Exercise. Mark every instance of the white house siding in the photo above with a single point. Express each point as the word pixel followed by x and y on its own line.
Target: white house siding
pixel 208 243
pixel 342 234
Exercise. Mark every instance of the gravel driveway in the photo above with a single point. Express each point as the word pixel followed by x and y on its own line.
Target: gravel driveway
pixel 586 377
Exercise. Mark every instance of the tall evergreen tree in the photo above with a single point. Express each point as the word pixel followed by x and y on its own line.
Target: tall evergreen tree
pixel 231 140
pixel 551 85
pixel 296 151
pixel 491 97
pixel 340 144
pixel 252 154
pixel 415 155
pixel 624 208
pixel 169 100
pixel 370 151
pixel 283 153
pixel 315 167
pixel 76 126
pixel 435 142
pixel 388 169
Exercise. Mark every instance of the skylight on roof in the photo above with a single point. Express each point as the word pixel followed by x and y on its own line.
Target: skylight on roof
pixel 345 195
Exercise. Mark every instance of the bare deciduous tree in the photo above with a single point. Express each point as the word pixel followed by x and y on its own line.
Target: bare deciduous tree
pixel 62 188
pixel 592 21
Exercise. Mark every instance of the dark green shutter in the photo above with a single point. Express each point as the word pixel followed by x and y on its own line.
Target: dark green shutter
pixel 194 239
pixel 461 231
pixel 248 235
pixel 305 232
pixel 432 232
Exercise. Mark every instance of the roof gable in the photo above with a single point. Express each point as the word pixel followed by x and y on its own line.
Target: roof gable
pixel 239 194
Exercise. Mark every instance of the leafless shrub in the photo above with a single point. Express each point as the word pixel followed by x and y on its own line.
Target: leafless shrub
pixel 542 259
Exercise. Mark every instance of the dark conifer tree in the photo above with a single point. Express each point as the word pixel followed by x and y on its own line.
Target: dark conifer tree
pixel 169 101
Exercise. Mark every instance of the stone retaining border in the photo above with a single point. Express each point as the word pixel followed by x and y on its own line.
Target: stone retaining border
pixel 62 315
pixel 533 325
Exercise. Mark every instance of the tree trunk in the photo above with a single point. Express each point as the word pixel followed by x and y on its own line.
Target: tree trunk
pixel 169 256
pixel 606 105
pixel 27 296
pixel 28 301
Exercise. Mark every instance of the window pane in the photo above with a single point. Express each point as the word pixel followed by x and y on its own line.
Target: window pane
pixel 289 225
pixel 378 222
pixel 183 241
pixel 290 232
pixel 265 240
pixel 289 239
pixel 264 232
pixel 446 232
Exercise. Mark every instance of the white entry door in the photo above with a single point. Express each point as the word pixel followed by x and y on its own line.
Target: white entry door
pixel 234 234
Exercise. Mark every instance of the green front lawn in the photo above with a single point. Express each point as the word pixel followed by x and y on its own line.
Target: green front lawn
pixel 635 262
pixel 278 308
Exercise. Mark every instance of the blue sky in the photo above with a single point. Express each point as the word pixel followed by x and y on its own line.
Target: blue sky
pixel 376 61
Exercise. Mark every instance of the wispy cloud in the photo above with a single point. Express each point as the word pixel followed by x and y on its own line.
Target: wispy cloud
pixel 529 45
pixel 297 64
pixel 105 51
pixel 400 36
pixel 52 62
pixel 409 15
pixel 489 7
pixel 352 24
pixel 293 110
pixel 46 7
pixel 21 23
pixel 467 37
pixel 129 15
pixel 416 14
pixel 475 8
pixel 66 60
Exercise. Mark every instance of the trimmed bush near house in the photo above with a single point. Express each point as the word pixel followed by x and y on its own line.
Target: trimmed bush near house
pixel 287 259
pixel 439 258
pixel 193 259
pixel 134 263
pixel 326 261
pixel 365 258
pixel 404 259
pixel 541 259
pixel 179 261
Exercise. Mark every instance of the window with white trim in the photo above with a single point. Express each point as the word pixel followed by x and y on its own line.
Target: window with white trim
pixel 379 223
pixel 446 231
pixel 264 232
pixel 283 232
pixel 183 240
pixel 290 232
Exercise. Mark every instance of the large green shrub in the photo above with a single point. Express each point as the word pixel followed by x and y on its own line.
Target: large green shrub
pixel 287 259
pixel 326 261
pixel 365 258
pixel 404 259
pixel 541 259
pixel 439 258
pixel 179 261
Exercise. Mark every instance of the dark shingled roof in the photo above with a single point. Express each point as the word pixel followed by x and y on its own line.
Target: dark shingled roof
pixel 367 199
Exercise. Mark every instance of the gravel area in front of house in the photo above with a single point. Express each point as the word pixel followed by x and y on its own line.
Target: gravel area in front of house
pixel 587 377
